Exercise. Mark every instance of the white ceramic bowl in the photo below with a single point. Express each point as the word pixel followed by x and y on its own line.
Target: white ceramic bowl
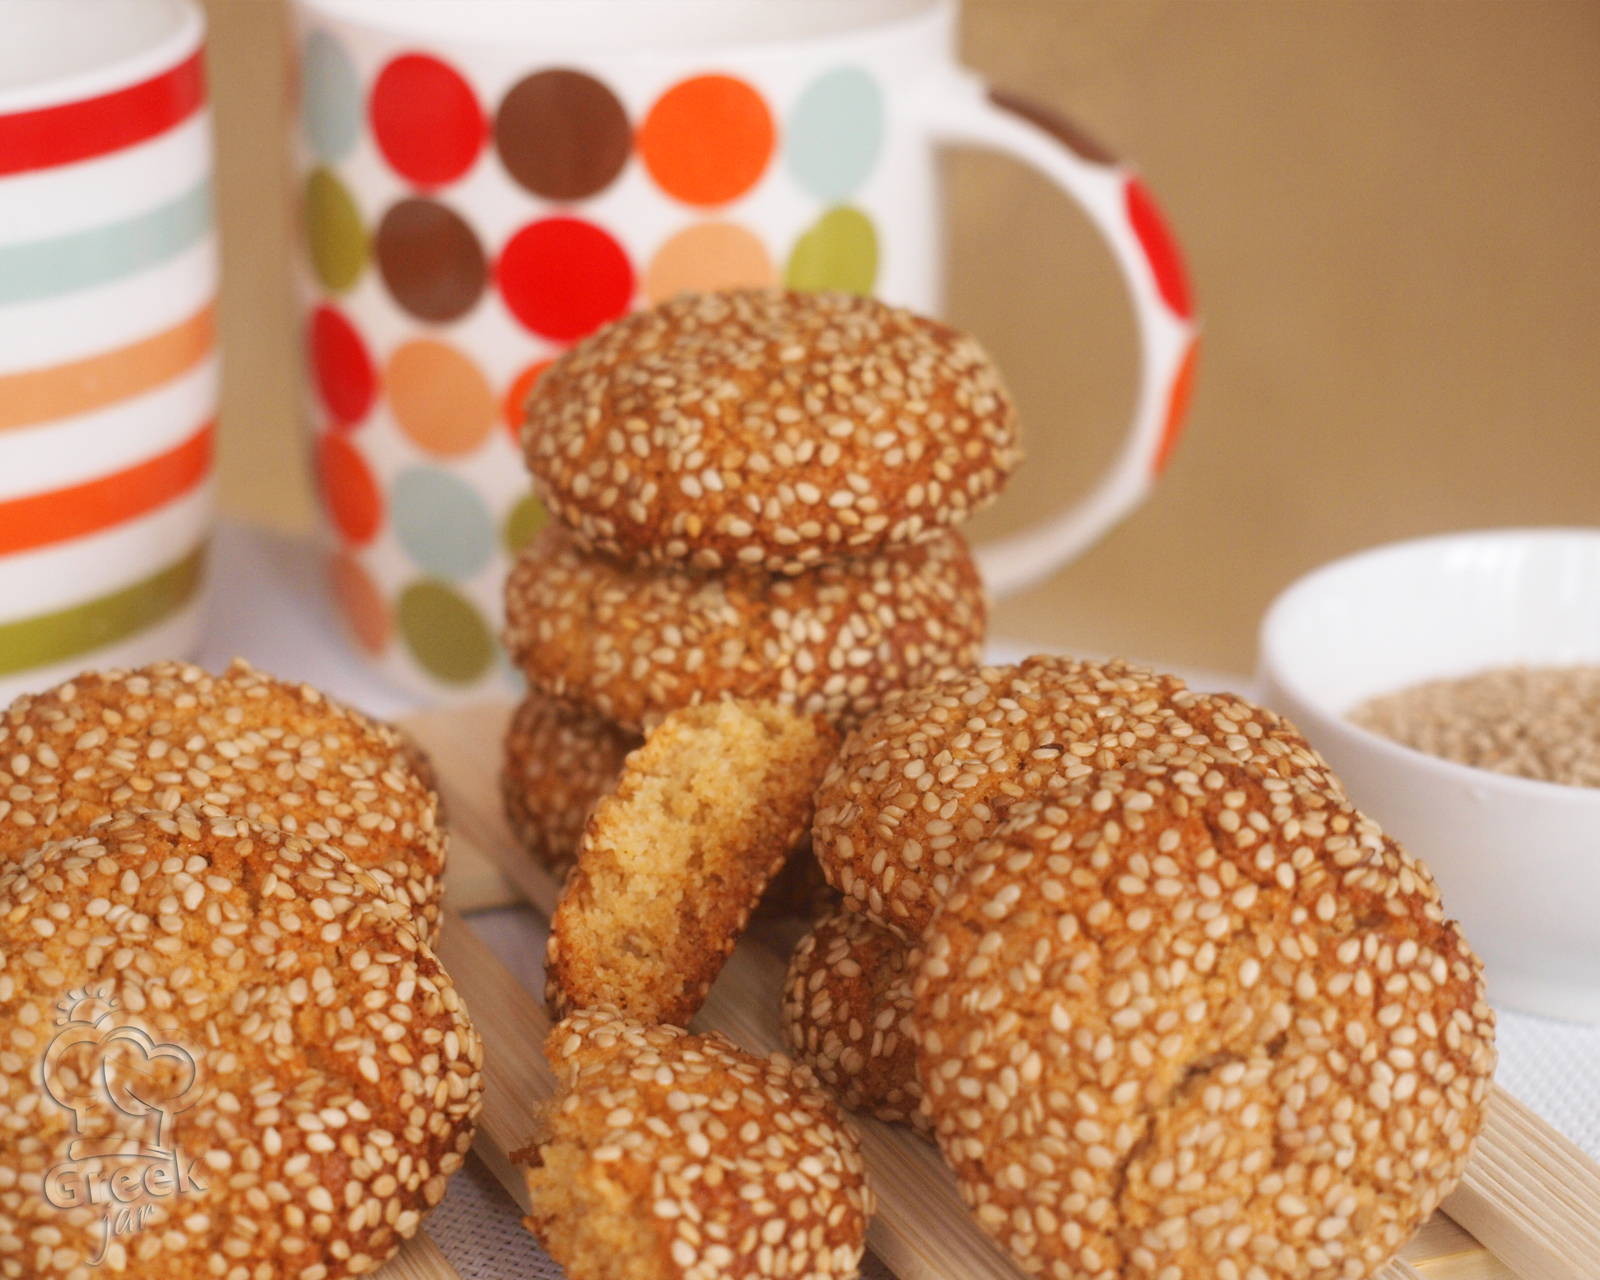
pixel 1518 861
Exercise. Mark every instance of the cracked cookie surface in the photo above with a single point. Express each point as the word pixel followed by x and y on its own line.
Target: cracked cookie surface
pixel 1198 1017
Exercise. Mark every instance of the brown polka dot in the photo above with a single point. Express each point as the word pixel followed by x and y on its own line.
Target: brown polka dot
pixel 431 261
pixel 562 135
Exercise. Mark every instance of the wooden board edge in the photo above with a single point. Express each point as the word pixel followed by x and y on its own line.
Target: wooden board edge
pixel 419 1259
pixel 1530 1195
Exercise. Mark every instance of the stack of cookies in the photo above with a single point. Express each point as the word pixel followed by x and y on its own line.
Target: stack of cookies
pixel 755 496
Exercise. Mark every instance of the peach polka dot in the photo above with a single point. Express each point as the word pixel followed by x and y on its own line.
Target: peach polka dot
pixel 440 399
pixel 711 255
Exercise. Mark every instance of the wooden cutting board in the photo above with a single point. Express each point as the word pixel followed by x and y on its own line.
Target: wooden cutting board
pixel 1527 1208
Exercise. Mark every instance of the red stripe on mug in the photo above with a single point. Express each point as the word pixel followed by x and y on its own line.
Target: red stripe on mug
pixel 1161 250
pixel 41 519
pixel 82 130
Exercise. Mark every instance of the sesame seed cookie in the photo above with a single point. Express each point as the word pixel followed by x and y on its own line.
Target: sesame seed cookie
pixel 638 643
pixel 935 769
pixel 1198 1017
pixel 770 429
pixel 847 1015
pixel 669 1156
pixel 560 759
pixel 239 743
pixel 226 1057
pixel 674 861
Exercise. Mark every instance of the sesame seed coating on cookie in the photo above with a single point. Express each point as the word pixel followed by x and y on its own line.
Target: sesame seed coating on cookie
pixel 1197 1017
pixel 638 643
pixel 771 429
pixel 674 861
pixel 235 1033
pixel 559 760
pixel 847 1015
pixel 240 743
pixel 669 1156
pixel 936 769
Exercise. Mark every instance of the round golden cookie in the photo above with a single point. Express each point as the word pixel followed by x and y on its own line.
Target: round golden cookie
pixel 638 643
pixel 1198 1018
pixel 847 1015
pixel 937 768
pixel 231 1055
pixel 769 429
pixel 560 759
pixel 673 1155
pixel 239 743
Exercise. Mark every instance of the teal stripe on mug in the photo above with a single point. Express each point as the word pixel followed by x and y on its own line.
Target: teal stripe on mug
pixel 44 268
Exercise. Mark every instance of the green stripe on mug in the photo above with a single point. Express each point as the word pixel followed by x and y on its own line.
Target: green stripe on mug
pixel 83 628
pixel 44 268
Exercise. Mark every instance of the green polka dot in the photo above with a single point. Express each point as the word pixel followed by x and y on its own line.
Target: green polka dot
pixel 839 252
pixel 525 520
pixel 444 632
pixel 337 239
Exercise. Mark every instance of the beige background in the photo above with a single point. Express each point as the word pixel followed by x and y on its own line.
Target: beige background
pixel 1391 214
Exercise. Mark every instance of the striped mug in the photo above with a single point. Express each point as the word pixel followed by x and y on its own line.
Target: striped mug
pixel 108 365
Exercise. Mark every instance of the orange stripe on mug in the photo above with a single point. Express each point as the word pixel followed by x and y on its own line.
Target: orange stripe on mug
pixel 41 395
pixel 41 519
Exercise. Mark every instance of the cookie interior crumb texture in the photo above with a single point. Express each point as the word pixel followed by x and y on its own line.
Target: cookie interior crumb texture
pixel 674 861
pixel 665 1154
pixel 1531 722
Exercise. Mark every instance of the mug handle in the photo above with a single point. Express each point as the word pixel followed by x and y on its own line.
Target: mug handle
pixel 960 108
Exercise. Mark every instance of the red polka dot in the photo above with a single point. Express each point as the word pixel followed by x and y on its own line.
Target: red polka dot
pixel 517 396
pixel 349 490
pixel 564 278
pixel 343 369
pixel 427 120
pixel 1160 248
pixel 1177 408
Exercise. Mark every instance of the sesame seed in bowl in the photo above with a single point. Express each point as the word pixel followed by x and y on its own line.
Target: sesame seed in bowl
pixel 1518 857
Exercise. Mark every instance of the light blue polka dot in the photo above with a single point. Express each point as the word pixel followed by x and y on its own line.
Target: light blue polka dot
pixel 330 104
pixel 835 133
pixel 442 523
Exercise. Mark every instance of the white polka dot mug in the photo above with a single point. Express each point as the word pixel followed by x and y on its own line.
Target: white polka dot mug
pixel 485 184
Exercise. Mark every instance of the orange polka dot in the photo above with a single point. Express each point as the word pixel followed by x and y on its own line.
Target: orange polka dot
pixel 361 603
pixel 707 140
pixel 517 396
pixel 711 255
pixel 439 398
pixel 1177 407
pixel 348 489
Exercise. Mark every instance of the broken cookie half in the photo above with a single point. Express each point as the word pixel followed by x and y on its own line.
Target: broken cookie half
pixel 674 861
